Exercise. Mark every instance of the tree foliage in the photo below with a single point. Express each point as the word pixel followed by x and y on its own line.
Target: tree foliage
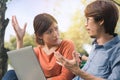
pixel 77 32
pixel 116 2
pixel 28 41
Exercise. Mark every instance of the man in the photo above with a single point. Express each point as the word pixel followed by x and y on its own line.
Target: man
pixel 104 59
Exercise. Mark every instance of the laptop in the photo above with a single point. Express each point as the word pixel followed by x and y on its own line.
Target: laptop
pixel 25 64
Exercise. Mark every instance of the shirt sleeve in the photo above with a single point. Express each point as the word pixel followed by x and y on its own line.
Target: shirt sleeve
pixel 115 73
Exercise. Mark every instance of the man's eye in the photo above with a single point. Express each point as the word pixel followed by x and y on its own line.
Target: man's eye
pixel 56 29
pixel 87 19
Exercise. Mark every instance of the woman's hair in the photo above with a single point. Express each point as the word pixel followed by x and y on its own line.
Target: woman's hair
pixel 41 24
pixel 104 10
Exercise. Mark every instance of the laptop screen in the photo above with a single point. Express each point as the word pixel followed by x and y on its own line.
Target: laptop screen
pixel 25 64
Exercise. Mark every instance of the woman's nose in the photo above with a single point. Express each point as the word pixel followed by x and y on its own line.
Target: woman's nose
pixel 55 33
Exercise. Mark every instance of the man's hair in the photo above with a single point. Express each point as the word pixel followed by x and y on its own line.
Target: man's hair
pixel 104 10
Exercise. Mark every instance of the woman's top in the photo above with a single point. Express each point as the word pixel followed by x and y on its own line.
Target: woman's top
pixel 48 62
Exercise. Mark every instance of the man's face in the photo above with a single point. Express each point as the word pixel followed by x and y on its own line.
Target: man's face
pixel 92 27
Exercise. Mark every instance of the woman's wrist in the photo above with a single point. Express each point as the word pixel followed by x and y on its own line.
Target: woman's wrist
pixel 19 44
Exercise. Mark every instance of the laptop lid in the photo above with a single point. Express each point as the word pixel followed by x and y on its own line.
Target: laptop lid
pixel 25 63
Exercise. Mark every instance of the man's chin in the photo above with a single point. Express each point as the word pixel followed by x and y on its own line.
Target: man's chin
pixel 92 36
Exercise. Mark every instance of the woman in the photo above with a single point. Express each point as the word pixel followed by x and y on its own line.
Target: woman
pixel 48 42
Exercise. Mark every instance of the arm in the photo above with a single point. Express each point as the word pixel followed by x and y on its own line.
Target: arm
pixel 63 76
pixel 86 76
pixel 19 32
pixel 73 66
pixel 115 67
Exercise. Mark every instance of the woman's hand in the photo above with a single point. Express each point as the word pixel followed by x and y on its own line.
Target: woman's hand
pixel 19 32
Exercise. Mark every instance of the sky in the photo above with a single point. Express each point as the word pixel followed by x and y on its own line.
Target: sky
pixel 26 10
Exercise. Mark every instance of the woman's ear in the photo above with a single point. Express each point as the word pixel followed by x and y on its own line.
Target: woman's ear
pixel 40 37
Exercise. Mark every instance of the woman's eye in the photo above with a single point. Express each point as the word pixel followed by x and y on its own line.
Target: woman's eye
pixel 49 32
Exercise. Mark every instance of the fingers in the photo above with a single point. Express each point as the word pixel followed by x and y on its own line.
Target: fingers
pixel 74 54
pixel 59 63
pixel 58 56
pixel 14 21
pixel 16 26
pixel 60 59
pixel 25 25
pixel 76 57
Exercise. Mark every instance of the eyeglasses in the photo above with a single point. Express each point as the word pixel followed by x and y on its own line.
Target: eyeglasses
pixel 89 19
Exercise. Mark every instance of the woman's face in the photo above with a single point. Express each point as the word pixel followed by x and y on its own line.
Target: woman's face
pixel 51 36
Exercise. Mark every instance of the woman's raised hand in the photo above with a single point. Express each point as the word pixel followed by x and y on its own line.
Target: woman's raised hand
pixel 19 32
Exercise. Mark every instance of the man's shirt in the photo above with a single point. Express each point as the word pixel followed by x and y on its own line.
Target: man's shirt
pixel 104 60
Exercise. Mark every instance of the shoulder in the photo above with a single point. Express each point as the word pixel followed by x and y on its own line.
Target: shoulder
pixel 66 48
pixel 37 49
pixel 117 47
pixel 115 43
pixel 68 42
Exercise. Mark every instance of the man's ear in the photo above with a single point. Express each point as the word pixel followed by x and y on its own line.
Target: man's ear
pixel 101 22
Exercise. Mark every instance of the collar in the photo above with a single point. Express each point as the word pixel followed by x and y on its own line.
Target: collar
pixel 108 44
